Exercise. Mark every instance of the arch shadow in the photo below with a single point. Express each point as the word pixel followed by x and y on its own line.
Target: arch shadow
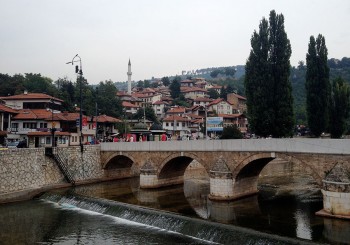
pixel 120 166
pixel 247 172
pixel 175 165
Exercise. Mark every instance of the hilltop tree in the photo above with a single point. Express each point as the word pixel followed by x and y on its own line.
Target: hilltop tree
pixel 213 94
pixel 148 112
pixel 339 107
pixel 317 86
pixel 223 93
pixel 175 87
pixel 165 81
pixel 107 101
pixel 268 89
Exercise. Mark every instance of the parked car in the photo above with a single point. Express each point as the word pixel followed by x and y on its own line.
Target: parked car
pixel 12 144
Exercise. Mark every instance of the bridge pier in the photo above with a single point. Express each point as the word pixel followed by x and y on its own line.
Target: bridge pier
pixel 150 179
pixel 221 182
pixel 336 193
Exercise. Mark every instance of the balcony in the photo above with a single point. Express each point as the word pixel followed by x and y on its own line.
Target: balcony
pixel 27 130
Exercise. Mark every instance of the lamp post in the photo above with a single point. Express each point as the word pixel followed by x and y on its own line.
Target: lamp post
pixel 79 71
pixel 124 112
pixel 53 129
pixel 206 122
pixel 96 123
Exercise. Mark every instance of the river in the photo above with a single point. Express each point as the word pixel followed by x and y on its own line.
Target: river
pixel 282 213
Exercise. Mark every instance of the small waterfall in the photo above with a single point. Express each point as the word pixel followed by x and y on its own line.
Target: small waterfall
pixel 200 229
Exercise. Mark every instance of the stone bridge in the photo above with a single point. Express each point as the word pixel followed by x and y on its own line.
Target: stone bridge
pixel 232 165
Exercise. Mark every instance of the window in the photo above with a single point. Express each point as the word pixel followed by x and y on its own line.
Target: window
pixel 177 124
pixel 48 140
pixel 29 125
pixel 43 125
pixel 166 124
pixel 62 140
pixel 172 124
pixel 183 124
pixel 14 125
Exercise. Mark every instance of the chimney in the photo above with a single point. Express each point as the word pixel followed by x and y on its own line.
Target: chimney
pixel 25 92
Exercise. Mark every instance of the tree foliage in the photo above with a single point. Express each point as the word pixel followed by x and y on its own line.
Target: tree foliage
pixel 317 86
pixel 267 84
pixel 165 81
pixel 231 132
pixel 175 87
pixel 339 107
pixel 213 94
pixel 227 71
pixel 148 112
pixel 106 99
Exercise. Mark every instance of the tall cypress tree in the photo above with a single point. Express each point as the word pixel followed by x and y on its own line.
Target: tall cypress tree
pixel 268 89
pixel 339 107
pixel 317 86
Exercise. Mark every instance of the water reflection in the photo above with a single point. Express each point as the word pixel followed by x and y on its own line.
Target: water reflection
pixel 280 213
pixel 40 222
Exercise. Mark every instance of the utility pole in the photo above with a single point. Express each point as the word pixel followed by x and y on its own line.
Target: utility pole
pixel 96 123
pixel 79 72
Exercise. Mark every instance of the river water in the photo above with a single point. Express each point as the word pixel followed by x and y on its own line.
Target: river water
pixel 97 214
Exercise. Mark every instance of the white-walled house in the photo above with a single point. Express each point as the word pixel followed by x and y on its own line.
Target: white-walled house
pixel 220 106
pixel 159 108
pixel 177 125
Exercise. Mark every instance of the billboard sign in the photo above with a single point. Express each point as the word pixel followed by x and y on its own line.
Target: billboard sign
pixel 215 124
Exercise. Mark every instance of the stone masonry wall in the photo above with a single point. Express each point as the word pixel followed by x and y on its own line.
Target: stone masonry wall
pixel 27 169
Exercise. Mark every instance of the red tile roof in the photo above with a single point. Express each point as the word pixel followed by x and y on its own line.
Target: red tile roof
pixel 217 101
pixel 30 114
pixel 128 104
pixel 173 118
pixel 203 99
pixel 105 118
pixel 30 96
pixel 5 108
pixel 239 96
pixel 192 89
pixel 159 102
pixel 176 110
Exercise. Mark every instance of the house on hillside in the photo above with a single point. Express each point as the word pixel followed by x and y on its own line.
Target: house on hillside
pixel 130 108
pixel 160 108
pixel 238 102
pixel 220 106
pixel 6 113
pixel 177 125
pixel 240 120
pixel 193 92
pixel 202 101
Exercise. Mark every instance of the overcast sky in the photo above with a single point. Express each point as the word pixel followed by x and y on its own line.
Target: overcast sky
pixel 161 37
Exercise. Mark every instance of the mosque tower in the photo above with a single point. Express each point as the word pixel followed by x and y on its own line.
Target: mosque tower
pixel 129 77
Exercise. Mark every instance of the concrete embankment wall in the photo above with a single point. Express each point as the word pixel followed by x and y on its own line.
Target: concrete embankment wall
pixel 26 172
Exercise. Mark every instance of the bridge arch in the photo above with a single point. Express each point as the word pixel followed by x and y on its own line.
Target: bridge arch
pixel 124 163
pixel 175 164
pixel 246 174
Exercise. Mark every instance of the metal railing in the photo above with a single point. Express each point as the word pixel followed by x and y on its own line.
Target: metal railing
pixel 61 160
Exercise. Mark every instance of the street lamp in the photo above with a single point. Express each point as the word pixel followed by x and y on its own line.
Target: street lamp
pixel 53 129
pixel 79 71
pixel 206 122
pixel 96 124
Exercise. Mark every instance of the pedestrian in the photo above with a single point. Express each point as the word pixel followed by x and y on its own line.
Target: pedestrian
pixel 163 137
pixel 131 139
pixel 140 138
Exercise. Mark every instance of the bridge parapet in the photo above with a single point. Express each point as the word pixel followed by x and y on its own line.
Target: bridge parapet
pixel 290 145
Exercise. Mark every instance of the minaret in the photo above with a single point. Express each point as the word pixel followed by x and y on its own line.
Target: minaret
pixel 129 77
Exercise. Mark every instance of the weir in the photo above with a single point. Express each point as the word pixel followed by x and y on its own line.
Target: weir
pixel 196 228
